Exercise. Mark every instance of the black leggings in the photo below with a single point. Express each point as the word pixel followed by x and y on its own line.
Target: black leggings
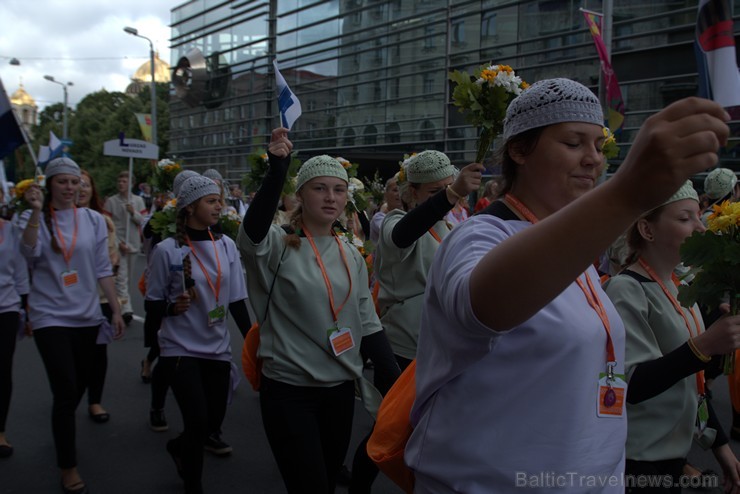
pixel 656 477
pixel 8 332
pixel 309 430
pixel 68 355
pixel 201 389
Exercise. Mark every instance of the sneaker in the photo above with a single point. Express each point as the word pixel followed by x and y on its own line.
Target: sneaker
pixel 157 421
pixel 215 445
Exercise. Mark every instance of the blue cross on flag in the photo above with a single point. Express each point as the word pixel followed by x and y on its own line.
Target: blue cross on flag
pixel 290 107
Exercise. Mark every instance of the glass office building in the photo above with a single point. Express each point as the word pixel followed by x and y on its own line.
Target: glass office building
pixel 372 75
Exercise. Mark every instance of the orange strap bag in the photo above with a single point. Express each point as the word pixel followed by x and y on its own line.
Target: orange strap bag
pixel 393 430
pixel 251 363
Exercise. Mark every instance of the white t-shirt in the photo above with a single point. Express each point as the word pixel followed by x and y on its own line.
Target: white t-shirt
pixel 13 269
pixel 190 334
pixel 497 408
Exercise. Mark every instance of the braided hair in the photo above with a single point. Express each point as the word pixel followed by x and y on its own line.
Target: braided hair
pixel 293 239
pixel 46 209
pixel 180 238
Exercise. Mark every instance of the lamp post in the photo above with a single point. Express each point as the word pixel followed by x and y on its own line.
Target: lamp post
pixel 51 79
pixel 134 32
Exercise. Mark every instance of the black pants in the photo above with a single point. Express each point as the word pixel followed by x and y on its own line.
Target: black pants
pixel 309 430
pixel 8 332
pixel 201 389
pixel 660 476
pixel 68 355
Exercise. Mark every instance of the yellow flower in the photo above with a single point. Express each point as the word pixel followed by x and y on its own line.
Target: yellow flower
pixel 401 175
pixel 724 216
pixel 22 186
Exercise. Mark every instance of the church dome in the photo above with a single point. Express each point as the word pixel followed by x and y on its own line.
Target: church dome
pixel 22 98
pixel 161 71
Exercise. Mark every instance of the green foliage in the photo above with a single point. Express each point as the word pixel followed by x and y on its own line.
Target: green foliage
pixel 100 117
pixel 716 262
pixel 163 222
pixel 258 166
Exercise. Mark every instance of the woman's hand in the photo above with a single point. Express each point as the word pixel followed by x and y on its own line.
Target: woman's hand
pixel 280 146
pixel 721 337
pixel 675 143
pixel 730 468
pixel 34 197
pixel 467 181
pixel 181 305
pixel 119 327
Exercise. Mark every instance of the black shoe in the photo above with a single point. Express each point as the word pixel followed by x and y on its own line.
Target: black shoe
pixel 215 445
pixel 344 477
pixel 78 488
pixel 157 421
pixel 6 451
pixel 174 450
pixel 128 317
pixel 99 418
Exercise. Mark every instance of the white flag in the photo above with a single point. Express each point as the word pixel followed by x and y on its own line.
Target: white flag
pixel 290 107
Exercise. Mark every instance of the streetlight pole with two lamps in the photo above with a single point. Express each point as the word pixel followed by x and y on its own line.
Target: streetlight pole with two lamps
pixel 65 128
pixel 134 32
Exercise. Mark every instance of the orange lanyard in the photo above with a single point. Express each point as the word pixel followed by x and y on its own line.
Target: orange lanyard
pixel 435 235
pixel 217 288
pixel 592 296
pixel 327 282
pixel 653 275
pixel 65 253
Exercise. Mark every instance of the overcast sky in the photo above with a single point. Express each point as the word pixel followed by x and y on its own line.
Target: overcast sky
pixel 81 41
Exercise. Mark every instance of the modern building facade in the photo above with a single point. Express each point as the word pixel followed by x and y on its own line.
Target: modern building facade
pixel 372 75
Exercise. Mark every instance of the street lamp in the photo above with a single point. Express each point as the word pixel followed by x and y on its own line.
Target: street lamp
pixel 134 32
pixel 51 79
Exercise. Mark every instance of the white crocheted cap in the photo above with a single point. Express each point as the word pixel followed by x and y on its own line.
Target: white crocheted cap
pixel 549 102
pixel 213 174
pixel 320 166
pixel 429 166
pixel 194 188
pixel 180 179
pixel 59 166
pixel 686 191
pixel 719 183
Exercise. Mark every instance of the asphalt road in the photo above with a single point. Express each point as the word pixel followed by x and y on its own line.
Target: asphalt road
pixel 125 456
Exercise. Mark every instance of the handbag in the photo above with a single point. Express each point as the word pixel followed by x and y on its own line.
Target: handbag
pixel 393 429
pixel 251 363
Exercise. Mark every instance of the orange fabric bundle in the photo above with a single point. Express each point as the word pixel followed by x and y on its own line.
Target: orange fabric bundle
pixel 251 364
pixel 393 429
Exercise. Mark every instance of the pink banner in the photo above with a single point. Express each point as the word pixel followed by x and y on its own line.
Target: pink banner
pixel 614 102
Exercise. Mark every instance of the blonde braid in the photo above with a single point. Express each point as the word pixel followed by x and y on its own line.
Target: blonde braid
pixel 295 222
pixel 47 221
pixel 180 237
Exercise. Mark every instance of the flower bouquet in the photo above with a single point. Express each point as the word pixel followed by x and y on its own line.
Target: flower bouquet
pixel 376 188
pixel 609 147
pixel 163 222
pixel 483 97
pixel 164 175
pixel 18 202
pixel 229 223
pixel 258 165
pixel 714 257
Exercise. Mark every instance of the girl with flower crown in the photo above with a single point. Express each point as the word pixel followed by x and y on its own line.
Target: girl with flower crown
pixel 194 279
pixel 309 289
pixel 515 325
pixel 667 349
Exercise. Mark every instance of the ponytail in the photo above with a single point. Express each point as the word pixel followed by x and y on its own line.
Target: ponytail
pixel 181 238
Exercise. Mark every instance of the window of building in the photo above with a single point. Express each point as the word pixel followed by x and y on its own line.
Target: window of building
pixel 392 133
pixel 348 137
pixel 428 84
pixel 426 132
pixel 370 135
pixel 488 25
pixel 429 37
pixel 458 31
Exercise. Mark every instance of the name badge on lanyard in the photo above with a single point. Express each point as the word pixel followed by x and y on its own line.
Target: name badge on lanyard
pixel 341 340
pixel 612 388
pixel 69 278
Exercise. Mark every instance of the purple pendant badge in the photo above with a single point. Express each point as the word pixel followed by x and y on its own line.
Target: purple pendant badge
pixel 610 398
